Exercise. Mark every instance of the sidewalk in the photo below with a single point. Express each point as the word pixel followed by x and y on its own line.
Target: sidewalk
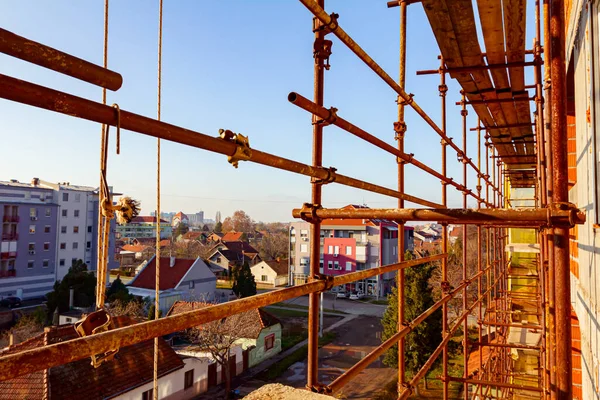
pixel 246 376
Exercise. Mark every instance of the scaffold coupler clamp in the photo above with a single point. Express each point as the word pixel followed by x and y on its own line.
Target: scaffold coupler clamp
pixel 443 89
pixel 326 28
pixel 319 388
pixel 406 102
pixel 575 215
pixel 331 118
pixel 308 214
pixel 242 151
pixel 400 129
pixel 445 286
pixel 97 322
pixel 328 279
pixel 331 175
pixel 322 51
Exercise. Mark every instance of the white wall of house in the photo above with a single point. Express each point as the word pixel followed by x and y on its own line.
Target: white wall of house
pixel 199 282
pixel 264 274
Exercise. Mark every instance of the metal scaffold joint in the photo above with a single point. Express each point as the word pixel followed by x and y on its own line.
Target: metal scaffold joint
pixel 307 213
pixel 242 151
pixel 322 51
pixel 328 279
pixel 331 176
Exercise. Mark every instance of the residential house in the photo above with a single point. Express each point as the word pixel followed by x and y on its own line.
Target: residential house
pixel 273 272
pixel 141 252
pixel 144 227
pixel 196 236
pixel 28 243
pixel 262 338
pixel 349 245
pixel 180 218
pixel 128 376
pixel 229 255
pixel 214 237
pixel 180 279
pixel 234 236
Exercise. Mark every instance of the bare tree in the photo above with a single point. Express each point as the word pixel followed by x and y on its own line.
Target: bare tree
pixel 239 222
pixel 273 245
pixel 134 308
pixel 219 337
pixel 28 326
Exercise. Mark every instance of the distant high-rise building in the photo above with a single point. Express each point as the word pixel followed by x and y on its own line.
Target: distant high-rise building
pixel 196 218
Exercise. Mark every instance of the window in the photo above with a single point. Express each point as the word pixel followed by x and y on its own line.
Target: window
pixel 76 213
pixel 32 212
pixel 348 250
pixel 189 379
pixel 65 196
pixel 336 250
pixel 77 197
pixel 31 229
pixel 218 260
pixel 73 260
pixel 61 262
pixel 63 229
pixel 394 250
pixel 46 246
pixel 45 263
pixel 148 395
pixel 329 264
pixel 64 213
pixel 321 265
pixel 31 246
pixel 48 212
pixel 88 245
pixel 75 229
pixel 304 248
pixel 191 284
pixel 330 250
pixel 90 229
pixel 350 234
pixel 348 266
pixel 264 278
pixel 47 229
pixel 269 341
pixel 30 264
pixel 63 246
pixel 75 245
pixel 336 266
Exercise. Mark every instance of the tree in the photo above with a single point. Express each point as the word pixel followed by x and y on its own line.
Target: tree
pixel 418 296
pixel 28 326
pixel 133 308
pixel 219 227
pixel 81 281
pixel 273 245
pixel 243 281
pixel 218 337
pixel 152 312
pixel 180 229
pixel 118 292
pixel 239 222
pixel 205 228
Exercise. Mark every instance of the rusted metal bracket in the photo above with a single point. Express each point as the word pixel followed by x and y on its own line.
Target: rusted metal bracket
pixel 331 118
pixel 400 129
pixel 93 323
pixel 328 279
pixel 322 51
pixel 575 215
pixel 307 213
pixel 332 26
pixel 404 102
pixel 242 152
pixel 443 89
pixel 331 175
pixel 319 388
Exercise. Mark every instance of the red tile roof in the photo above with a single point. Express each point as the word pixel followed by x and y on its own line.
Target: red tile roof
pixel 146 220
pixel 192 235
pixel 169 276
pixel 232 236
pixel 280 267
pixel 254 320
pixel 131 368
pixel 240 247
pixel 136 248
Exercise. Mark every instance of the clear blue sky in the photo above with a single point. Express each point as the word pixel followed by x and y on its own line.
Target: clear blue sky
pixel 227 64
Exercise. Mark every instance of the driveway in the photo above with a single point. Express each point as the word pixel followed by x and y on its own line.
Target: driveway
pixel 355 307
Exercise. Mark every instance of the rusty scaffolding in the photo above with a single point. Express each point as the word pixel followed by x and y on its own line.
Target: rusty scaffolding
pixel 521 156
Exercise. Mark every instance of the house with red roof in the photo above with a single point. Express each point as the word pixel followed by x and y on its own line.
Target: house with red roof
pixel 227 255
pixel 261 335
pixel 180 218
pixel 180 279
pixel 234 236
pixel 274 272
pixel 129 375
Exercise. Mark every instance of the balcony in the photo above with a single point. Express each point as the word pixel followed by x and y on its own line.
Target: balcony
pixel 10 218
pixel 8 274
pixel 10 236
pixel 7 255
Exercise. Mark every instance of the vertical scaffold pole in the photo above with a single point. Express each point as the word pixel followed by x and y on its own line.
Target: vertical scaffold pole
pixel 464 160
pixel 315 232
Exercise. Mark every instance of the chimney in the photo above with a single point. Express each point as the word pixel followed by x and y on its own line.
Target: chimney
pixel 278 259
pixel 71 296
pixel 11 339
pixel 172 262
pixel 35 182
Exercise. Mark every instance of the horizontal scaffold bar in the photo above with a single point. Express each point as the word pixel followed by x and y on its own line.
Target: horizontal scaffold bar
pixel 54 100
pixel 37 53
pixel 61 353
pixel 539 216
pixel 496 384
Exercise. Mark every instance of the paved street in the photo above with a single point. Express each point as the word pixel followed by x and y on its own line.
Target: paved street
pixel 349 306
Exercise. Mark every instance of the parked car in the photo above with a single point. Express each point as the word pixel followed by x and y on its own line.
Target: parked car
pixel 342 295
pixel 356 295
pixel 10 302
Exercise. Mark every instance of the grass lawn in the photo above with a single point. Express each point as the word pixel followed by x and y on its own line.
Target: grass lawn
pixel 382 302
pixel 224 284
pixel 280 312
pixel 277 369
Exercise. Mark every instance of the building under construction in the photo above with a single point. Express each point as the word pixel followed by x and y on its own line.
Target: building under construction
pixel 537 193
